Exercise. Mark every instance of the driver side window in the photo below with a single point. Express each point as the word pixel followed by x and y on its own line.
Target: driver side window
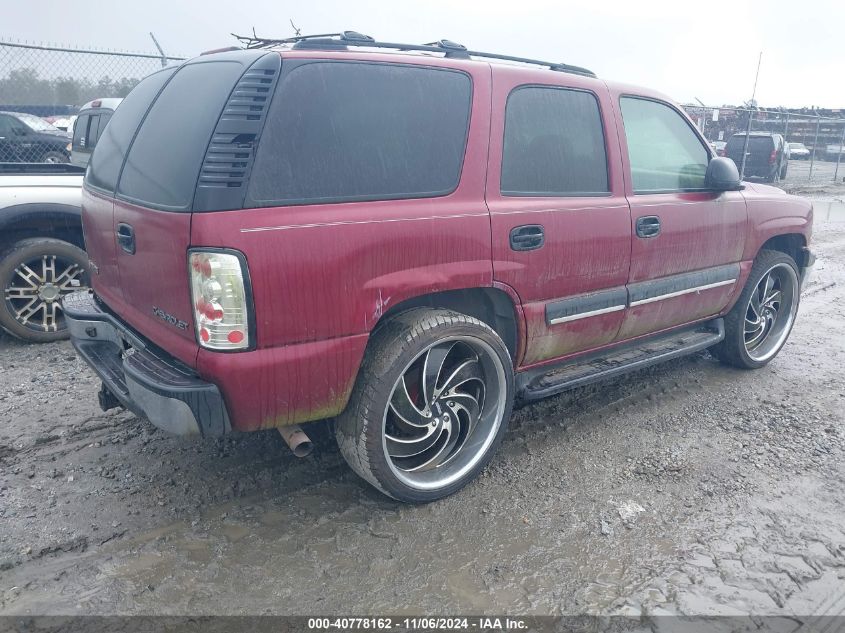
pixel 664 152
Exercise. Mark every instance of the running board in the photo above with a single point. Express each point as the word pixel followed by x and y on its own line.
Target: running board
pixel 542 382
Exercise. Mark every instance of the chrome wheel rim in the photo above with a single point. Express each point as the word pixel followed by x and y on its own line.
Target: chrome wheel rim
pixel 770 312
pixel 34 292
pixel 444 412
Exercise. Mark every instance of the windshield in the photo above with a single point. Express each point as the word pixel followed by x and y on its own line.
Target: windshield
pixel 796 146
pixel 36 123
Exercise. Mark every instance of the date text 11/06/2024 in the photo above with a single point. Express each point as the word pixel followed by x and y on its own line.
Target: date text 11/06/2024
pixel 418 623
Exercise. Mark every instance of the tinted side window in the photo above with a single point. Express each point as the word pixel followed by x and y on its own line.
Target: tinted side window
pixel 104 167
pixel 5 126
pixel 664 152
pixel 554 144
pixel 164 160
pixel 356 131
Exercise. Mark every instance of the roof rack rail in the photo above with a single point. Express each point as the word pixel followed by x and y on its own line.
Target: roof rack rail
pixel 341 41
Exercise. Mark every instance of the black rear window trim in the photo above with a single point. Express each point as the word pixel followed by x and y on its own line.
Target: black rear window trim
pixel 288 66
pixel 570 194
pixel 188 208
pixel 695 131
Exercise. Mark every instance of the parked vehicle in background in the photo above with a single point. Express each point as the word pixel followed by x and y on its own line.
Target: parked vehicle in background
pixel 63 122
pixel 835 150
pixel 409 242
pixel 41 247
pixel 798 151
pixel 89 126
pixel 26 138
pixel 766 155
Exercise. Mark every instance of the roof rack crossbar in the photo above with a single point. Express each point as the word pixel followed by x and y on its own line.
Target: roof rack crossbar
pixel 353 38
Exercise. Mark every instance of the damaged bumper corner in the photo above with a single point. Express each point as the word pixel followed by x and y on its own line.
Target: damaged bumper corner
pixel 147 382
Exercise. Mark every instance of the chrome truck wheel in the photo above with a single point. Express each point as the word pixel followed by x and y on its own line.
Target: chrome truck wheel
pixel 758 325
pixel 36 274
pixel 771 312
pixel 430 405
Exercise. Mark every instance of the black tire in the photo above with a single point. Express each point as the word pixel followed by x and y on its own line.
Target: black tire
pixel 394 348
pixel 55 157
pixel 733 350
pixel 27 251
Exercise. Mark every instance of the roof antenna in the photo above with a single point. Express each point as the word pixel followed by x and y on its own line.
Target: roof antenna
pixel 296 30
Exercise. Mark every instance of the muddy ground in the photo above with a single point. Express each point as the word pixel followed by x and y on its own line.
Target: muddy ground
pixel 686 488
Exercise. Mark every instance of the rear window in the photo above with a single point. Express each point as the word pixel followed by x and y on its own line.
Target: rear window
pixel 104 167
pixel 80 131
pixel 164 161
pixel 554 144
pixel 94 134
pixel 756 144
pixel 348 131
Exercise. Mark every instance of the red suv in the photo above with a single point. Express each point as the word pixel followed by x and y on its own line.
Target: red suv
pixel 407 239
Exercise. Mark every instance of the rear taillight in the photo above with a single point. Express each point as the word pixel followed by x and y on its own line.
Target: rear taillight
pixel 220 301
pixel 773 157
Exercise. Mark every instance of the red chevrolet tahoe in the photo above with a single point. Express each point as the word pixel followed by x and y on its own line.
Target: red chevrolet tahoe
pixel 408 239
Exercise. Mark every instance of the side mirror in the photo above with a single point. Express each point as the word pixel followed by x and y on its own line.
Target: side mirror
pixel 722 175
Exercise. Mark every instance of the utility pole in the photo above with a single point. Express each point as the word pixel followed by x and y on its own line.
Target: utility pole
pixel 160 51
pixel 750 116
pixel 839 155
pixel 815 143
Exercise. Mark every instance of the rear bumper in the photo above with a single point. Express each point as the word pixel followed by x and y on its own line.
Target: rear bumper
pixel 147 381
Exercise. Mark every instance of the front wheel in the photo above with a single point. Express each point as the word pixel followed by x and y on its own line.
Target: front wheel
pixel 758 325
pixel 430 405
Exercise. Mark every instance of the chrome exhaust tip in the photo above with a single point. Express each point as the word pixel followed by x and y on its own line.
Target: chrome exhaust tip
pixel 300 444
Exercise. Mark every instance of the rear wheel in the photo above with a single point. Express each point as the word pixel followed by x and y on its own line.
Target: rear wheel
pixel 758 325
pixel 430 405
pixel 35 275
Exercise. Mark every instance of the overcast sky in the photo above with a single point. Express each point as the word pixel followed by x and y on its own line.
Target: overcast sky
pixel 694 48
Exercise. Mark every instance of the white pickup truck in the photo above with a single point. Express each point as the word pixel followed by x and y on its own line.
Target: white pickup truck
pixel 42 254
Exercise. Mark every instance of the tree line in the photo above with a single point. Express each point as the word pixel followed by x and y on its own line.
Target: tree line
pixel 24 86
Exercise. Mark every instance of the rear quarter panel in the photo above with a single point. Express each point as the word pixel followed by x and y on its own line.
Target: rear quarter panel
pixel 324 274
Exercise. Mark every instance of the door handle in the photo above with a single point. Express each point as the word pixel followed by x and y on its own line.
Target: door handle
pixel 648 226
pixel 126 237
pixel 527 237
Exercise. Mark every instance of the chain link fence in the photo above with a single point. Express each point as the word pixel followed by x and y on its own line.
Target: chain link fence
pixel 814 140
pixel 43 87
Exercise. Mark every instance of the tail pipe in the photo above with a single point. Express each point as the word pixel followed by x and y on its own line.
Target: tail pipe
pixel 299 443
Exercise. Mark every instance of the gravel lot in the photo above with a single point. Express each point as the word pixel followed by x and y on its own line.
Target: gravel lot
pixel 687 488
